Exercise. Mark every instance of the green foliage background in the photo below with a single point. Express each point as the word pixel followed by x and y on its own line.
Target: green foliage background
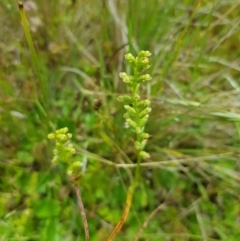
pixel 194 123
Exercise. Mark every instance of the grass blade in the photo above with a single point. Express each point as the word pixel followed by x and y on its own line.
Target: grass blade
pixel 35 62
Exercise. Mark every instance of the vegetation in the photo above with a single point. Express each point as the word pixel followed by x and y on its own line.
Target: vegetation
pixel 181 179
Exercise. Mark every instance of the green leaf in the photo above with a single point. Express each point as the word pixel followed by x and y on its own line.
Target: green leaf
pixel 47 208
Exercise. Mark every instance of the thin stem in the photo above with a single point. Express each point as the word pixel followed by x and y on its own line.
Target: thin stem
pixel 124 214
pixel 137 173
pixel 144 225
pixel 81 207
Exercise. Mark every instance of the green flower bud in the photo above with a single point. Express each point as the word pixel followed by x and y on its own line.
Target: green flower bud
pixel 51 136
pixel 69 136
pixel 126 99
pixel 145 112
pixel 136 97
pixel 120 98
pixel 127 79
pixel 144 54
pixel 144 78
pixel 144 155
pixel 76 166
pixel 143 67
pixel 58 131
pixel 130 109
pixel 143 143
pixel 147 53
pixel 143 103
pixel 123 75
pixel 62 130
pixel 126 116
pixel 137 145
pixel 144 120
pixel 129 57
pixel 138 130
pixel 143 61
pixel 144 135
pixel 131 123
pixel 131 115
pixel 70 150
pixel 62 137
pixel 146 67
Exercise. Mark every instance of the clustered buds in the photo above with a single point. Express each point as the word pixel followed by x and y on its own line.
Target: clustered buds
pixel 141 62
pixel 137 110
pixel 64 150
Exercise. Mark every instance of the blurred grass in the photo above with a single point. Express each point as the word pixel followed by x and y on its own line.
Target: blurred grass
pixel 194 125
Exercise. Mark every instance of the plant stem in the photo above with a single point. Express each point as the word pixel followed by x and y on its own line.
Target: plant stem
pixel 144 225
pixel 81 207
pixel 124 214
